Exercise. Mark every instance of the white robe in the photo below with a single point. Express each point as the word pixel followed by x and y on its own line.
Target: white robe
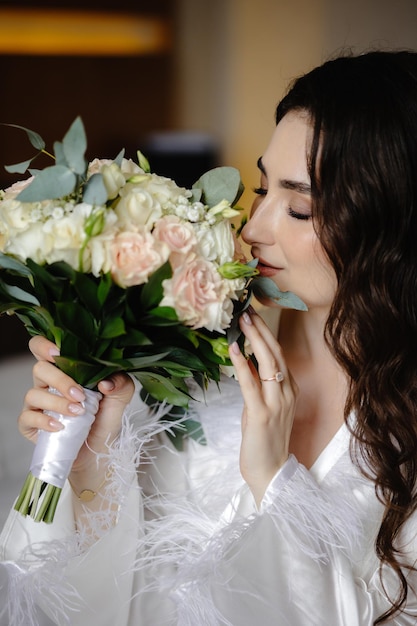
pixel 191 549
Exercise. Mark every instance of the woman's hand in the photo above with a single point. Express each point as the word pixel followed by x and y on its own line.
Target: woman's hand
pixel 117 392
pixel 269 406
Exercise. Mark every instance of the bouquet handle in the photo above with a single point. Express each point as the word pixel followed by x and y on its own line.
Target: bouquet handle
pixel 52 459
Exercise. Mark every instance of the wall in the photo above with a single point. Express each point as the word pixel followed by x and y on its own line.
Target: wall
pixel 236 57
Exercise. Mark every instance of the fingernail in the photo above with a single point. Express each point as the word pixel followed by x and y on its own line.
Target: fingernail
pixel 246 318
pixel 234 347
pixel 77 394
pixel 55 424
pixel 108 385
pixel 54 352
pixel 76 409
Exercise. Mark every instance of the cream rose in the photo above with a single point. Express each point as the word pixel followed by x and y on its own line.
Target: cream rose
pixel 197 293
pixel 215 243
pixel 135 256
pixel 33 244
pixel 137 207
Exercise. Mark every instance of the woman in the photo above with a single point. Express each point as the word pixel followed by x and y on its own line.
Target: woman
pixel 322 528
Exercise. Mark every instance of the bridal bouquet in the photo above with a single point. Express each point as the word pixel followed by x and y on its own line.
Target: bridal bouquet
pixel 124 271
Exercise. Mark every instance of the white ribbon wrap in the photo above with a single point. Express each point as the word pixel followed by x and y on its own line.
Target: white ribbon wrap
pixel 55 452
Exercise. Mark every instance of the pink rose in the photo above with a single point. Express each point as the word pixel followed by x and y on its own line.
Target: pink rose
pixel 135 256
pixel 197 293
pixel 177 234
pixel 11 192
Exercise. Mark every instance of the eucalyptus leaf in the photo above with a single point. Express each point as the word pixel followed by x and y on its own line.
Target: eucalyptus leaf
pixel 74 145
pixel 263 287
pixel 221 183
pixel 119 159
pixel 95 191
pixel 19 168
pixel 60 158
pixel 20 295
pixel 53 182
pixel 34 138
pixel 11 263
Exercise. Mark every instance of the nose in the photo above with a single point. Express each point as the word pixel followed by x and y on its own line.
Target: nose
pixel 259 228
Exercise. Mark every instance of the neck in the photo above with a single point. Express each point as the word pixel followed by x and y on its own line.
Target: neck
pixel 321 382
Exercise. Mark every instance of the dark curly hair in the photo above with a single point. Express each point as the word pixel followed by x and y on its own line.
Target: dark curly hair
pixel 363 168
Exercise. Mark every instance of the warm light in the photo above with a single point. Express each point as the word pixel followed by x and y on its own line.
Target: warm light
pixel 56 32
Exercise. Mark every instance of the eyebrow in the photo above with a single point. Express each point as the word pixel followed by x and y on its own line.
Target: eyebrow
pixel 292 185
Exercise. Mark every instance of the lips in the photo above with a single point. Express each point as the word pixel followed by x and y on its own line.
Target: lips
pixel 267 270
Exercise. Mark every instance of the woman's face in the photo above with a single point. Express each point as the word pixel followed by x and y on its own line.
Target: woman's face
pixel 280 230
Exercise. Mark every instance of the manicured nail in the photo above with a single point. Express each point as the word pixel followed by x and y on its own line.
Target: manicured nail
pixel 54 352
pixel 77 394
pixel 55 424
pixel 76 409
pixel 234 347
pixel 108 385
pixel 246 318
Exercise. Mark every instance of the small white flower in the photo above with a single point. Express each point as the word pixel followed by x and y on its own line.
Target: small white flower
pixel 57 213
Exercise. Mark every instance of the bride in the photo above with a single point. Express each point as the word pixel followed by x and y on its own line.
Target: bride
pixel 301 508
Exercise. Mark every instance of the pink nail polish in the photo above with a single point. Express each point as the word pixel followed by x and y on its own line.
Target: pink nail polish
pixel 55 424
pixel 76 409
pixel 234 347
pixel 246 318
pixel 77 394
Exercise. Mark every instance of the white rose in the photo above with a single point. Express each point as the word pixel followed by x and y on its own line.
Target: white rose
pixel 216 243
pixel 16 215
pixel 68 236
pixel 137 207
pixel 33 244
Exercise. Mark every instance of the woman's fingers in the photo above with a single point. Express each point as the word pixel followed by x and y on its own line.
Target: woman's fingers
pixel 43 349
pixel 269 405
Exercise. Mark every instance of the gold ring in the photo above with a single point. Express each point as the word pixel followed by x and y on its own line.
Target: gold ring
pixel 278 378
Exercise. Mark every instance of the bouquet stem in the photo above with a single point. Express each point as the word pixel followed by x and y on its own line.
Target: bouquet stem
pixel 52 460
pixel 38 499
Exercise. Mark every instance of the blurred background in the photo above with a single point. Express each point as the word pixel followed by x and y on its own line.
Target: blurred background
pixel 191 83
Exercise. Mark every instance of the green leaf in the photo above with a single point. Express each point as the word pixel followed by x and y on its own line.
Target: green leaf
pixel 53 182
pixel 263 287
pixel 20 295
pixel 74 145
pixel 145 361
pixel 113 328
pixel 35 139
pixel 221 183
pixel 19 168
pixel 162 389
pixel 75 319
pixel 11 263
pixel 59 154
pixel 119 159
pixel 152 291
pixel 83 373
pixel 104 287
pixel 95 191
